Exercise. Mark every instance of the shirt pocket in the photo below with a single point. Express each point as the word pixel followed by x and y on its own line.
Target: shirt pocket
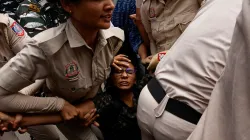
pixel 70 90
pixel 182 21
pixel 103 74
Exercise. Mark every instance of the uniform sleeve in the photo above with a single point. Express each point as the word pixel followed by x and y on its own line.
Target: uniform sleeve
pixel 16 36
pixel 144 18
pixel 147 26
pixel 33 88
pixel 22 70
pixel 138 3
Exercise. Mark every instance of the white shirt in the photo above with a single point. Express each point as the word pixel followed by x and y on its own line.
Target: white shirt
pixel 195 62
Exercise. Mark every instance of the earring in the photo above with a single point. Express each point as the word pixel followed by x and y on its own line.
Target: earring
pixel 70 11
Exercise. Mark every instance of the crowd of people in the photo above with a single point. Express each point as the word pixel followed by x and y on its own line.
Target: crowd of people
pixel 133 70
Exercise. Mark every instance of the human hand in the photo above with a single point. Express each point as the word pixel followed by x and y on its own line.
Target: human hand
pixel 87 113
pixel 120 60
pixel 68 112
pixel 155 60
pixel 9 123
pixel 133 17
pixel 146 60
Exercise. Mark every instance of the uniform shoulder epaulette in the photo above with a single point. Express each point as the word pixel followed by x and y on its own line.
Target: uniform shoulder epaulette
pixel 51 40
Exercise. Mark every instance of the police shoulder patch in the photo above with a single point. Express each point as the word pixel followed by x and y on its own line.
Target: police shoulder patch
pixel 161 55
pixel 17 29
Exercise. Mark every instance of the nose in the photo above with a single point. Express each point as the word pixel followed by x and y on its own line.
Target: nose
pixel 124 74
pixel 109 6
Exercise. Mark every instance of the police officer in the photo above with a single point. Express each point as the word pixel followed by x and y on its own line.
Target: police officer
pixel 164 21
pixel 172 103
pixel 13 38
pixel 227 115
pixel 75 58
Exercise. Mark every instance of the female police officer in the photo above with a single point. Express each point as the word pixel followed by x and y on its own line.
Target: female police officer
pixel 75 58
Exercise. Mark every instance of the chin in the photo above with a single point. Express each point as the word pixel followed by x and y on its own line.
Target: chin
pixel 124 87
pixel 105 25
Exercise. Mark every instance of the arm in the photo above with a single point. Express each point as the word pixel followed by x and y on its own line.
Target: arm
pixel 141 28
pixel 33 88
pixel 147 25
pixel 27 66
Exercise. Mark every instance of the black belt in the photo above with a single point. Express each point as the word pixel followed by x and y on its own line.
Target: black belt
pixel 173 106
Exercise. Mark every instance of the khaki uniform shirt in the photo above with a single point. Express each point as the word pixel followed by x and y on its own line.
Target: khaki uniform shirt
pixel 165 21
pixel 194 64
pixel 12 39
pixel 72 69
pixel 227 115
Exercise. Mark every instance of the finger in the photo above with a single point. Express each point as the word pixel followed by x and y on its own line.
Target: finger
pixel 123 64
pixel 89 115
pixel 123 58
pixel 92 120
pixel 96 124
pixel 116 67
pixel 150 57
pixel 4 129
pixel 132 16
pixel 22 130
pixel 17 120
pixel 92 114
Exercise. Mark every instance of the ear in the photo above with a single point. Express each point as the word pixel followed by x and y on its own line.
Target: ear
pixel 67 6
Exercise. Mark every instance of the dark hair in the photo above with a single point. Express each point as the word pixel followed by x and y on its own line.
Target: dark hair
pixel 58 1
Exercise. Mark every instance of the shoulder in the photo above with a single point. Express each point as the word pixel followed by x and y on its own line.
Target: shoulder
pixel 11 27
pixel 115 37
pixel 4 19
pixel 50 34
pixel 51 40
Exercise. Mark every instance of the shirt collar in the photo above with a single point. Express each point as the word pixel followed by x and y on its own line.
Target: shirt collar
pixel 74 38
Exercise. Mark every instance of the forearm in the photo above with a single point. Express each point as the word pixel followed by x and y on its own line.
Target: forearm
pixel 40 119
pixel 142 51
pixel 21 103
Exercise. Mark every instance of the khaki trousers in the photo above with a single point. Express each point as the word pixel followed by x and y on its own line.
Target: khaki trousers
pixel 165 127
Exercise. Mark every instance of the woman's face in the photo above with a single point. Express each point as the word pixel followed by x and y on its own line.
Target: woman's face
pixel 124 79
pixel 93 14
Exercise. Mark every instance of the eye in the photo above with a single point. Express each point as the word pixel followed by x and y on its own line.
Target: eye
pixel 118 71
pixel 130 71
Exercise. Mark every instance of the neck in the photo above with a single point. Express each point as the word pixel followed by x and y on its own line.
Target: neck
pixel 88 34
pixel 127 97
